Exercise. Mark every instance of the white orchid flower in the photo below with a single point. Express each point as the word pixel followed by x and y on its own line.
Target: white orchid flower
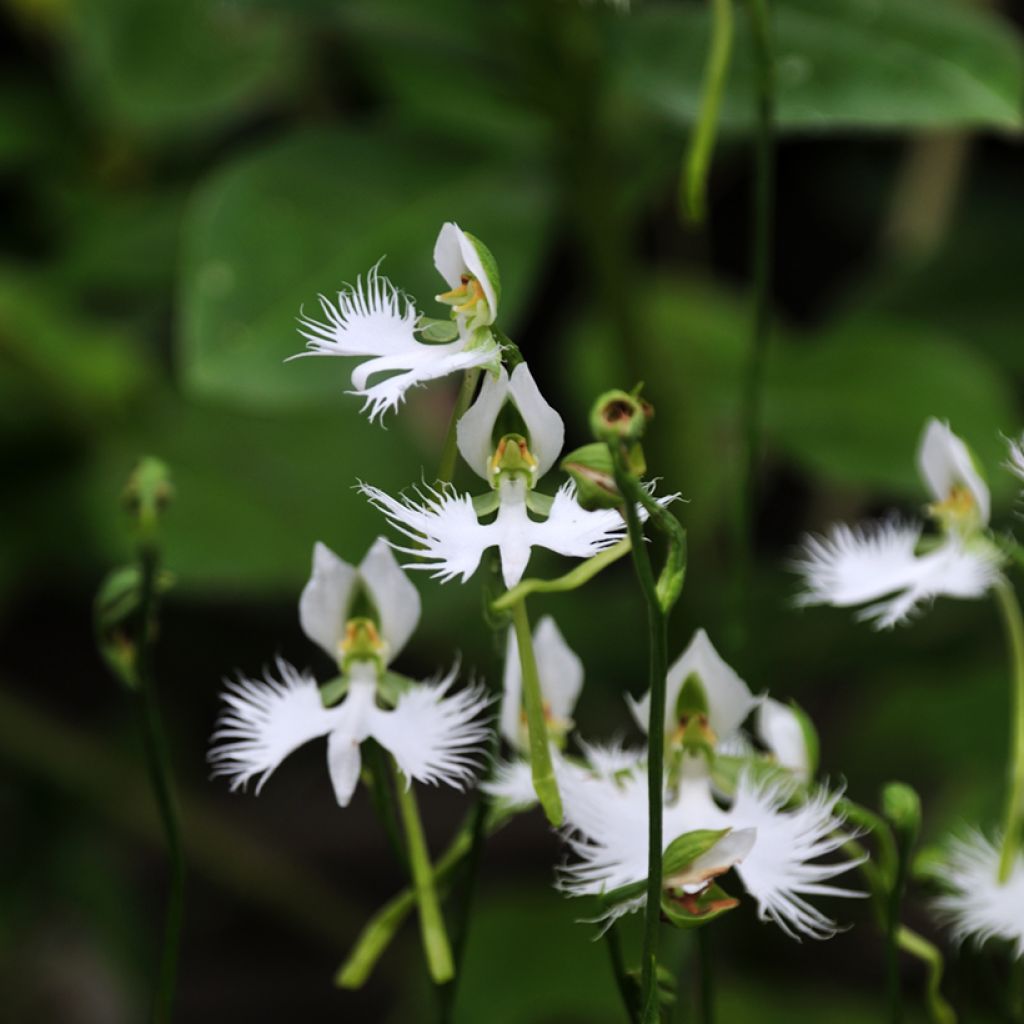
pixel 434 736
pixel 775 848
pixel 373 318
pixel 977 906
pixel 728 697
pixel 448 527
pixel 888 566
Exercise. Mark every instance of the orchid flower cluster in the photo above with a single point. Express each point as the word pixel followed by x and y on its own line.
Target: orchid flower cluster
pixel 721 780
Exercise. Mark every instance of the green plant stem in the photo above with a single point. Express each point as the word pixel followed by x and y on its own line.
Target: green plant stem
pixel 542 770
pixel 570 581
pixel 376 765
pixel 693 187
pixel 919 947
pixel 450 450
pixel 706 987
pixel 159 766
pixel 657 672
pixel 753 387
pixel 613 942
pixel 432 927
pixel 1013 626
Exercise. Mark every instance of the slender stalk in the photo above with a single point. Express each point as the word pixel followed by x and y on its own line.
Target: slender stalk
pixel 706 987
pixel 450 451
pixel 544 782
pixel 432 927
pixel 918 946
pixel 764 189
pixel 693 187
pixel 1013 626
pixel 159 766
pixel 613 941
pixel 376 763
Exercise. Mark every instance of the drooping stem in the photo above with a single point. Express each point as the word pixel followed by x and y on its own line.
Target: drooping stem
pixel 706 987
pixel 158 763
pixel 918 946
pixel 542 770
pixel 450 451
pixel 753 385
pixel 432 927
pixel 1013 625
pixel 693 186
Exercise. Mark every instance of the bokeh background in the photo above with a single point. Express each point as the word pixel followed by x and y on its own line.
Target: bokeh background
pixel 177 178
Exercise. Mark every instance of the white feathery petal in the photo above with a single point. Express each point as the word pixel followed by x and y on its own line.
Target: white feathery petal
pixel 544 427
pixel 1015 463
pixel 449 537
pixel 780 730
pixel 396 600
pixel 610 759
pixel 512 783
pixel 977 906
pixel 474 433
pixel 435 736
pixel 574 531
pixel 729 697
pixel 264 721
pixel 945 462
pixel 326 599
pixel 372 318
pixel 427 362
pixel 456 254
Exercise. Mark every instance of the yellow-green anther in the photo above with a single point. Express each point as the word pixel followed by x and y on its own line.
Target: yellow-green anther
pixel 361 642
pixel 513 456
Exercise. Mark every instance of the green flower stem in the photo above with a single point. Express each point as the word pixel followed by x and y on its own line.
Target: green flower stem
pixel 432 928
pixel 693 187
pixel 613 942
pixel 544 782
pixel 158 763
pixel 764 189
pixel 450 451
pixel 573 579
pixel 376 765
pixel 888 852
pixel 918 946
pixel 1013 625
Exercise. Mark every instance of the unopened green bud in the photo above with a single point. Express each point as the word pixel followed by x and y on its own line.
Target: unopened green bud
pixel 147 494
pixel 902 806
pixel 591 469
pixel 620 416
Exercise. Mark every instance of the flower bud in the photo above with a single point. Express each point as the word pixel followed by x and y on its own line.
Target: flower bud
pixel 591 469
pixel 620 416
pixel 902 806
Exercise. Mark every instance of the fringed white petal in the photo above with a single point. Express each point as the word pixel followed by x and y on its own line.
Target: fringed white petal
pixel 574 531
pixel 371 318
pixel 729 697
pixel 784 866
pixel 397 601
pixel 945 462
pixel 512 784
pixel 435 737
pixel 977 907
pixel 326 598
pixel 611 759
pixel 264 721
pixel 1015 462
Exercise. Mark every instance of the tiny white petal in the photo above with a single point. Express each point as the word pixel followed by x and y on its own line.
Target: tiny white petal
pixel 544 427
pixel 474 432
pixel 945 462
pixel 455 255
pixel 396 600
pixel 977 906
pixel 326 599
pixel 780 730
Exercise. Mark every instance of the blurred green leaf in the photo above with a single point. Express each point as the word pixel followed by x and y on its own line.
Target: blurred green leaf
pixel 176 66
pixel 840 64
pixel 306 214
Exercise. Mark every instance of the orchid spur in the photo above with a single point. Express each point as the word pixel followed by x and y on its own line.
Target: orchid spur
pixel 362 617
pixel 448 528
pixel 889 566
pixel 373 318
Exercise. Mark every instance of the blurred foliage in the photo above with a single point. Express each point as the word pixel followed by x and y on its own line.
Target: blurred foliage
pixel 179 179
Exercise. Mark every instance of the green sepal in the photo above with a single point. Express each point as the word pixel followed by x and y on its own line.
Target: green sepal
pixel 693 698
pixel 696 911
pixel 490 265
pixel 725 772
pixel 685 849
pixel 485 504
pixel 332 691
pixel 440 331
pixel 392 685
pixel 539 503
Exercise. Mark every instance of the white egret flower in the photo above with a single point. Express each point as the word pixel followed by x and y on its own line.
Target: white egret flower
pixel 434 736
pixel 776 849
pixel 448 527
pixel 373 318
pixel 888 566
pixel 977 906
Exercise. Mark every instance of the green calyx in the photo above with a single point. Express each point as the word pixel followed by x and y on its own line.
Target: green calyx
pixel 620 416
pixel 592 470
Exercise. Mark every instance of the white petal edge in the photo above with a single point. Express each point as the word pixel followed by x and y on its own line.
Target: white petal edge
pixel 396 598
pixel 944 461
pixel 326 599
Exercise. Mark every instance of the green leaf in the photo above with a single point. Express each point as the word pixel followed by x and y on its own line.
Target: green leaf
pixel 840 64
pixel 305 215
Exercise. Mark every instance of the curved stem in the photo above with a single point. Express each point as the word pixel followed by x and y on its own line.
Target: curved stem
pixel 450 450
pixel 1013 625
pixel 159 765
pixel 693 187
pixel 544 782
pixel 432 927
pixel 918 946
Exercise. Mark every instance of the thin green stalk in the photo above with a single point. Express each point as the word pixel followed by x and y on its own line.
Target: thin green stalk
pixel 159 766
pixel 376 763
pixel 613 942
pixel 693 187
pixel 1013 626
pixel 432 927
pixel 764 189
pixel 706 966
pixel 918 946
pixel 450 450
pixel 544 782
